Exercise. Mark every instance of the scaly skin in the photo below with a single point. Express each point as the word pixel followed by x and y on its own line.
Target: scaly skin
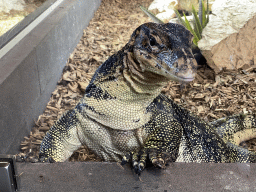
pixel 123 115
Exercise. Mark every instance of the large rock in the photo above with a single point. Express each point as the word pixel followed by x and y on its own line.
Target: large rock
pixel 229 39
pixel 7 5
pixel 164 10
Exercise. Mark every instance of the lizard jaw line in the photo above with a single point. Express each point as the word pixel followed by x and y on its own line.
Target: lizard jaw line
pixel 181 79
pixel 187 79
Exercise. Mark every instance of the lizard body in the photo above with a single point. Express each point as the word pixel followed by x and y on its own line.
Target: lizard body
pixel 124 116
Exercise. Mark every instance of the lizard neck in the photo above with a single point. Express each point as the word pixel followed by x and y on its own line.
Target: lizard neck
pixel 120 99
pixel 142 81
pixel 133 84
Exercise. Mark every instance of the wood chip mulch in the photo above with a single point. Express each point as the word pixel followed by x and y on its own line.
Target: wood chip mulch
pixel 209 96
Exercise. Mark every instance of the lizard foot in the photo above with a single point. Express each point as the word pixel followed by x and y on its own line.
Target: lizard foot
pixel 139 159
pixel 44 159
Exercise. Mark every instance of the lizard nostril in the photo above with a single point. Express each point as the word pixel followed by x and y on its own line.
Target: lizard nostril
pixel 185 66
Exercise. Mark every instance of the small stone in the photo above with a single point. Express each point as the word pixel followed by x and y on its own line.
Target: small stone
pixel 82 85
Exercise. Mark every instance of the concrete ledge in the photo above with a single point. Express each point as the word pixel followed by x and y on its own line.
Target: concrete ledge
pixel 93 176
pixel 29 71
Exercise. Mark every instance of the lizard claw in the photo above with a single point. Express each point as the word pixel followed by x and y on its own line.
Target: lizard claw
pixel 138 160
pixel 137 165
pixel 126 158
pixel 44 159
pixel 159 159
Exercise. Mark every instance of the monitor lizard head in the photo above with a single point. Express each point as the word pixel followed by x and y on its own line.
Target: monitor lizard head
pixel 165 49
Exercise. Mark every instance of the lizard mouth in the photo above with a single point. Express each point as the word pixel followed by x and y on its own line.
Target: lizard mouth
pixel 188 77
pixel 168 64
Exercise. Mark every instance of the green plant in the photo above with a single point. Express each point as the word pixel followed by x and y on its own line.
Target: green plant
pixel 199 22
pixel 151 15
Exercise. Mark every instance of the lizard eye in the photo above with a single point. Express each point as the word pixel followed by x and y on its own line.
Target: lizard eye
pixel 152 41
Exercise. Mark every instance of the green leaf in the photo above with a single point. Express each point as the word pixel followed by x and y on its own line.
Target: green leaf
pixel 207 18
pixel 203 15
pixel 206 15
pixel 197 25
pixel 200 11
pixel 196 30
pixel 179 17
pixel 151 15
pixel 207 7
pixel 188 26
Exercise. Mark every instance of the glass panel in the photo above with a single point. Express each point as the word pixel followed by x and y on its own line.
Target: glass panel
pixel 13 11
pixel 15 15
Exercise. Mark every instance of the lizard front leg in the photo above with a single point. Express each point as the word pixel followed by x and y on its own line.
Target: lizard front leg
pixel 62 139
pixel 161 146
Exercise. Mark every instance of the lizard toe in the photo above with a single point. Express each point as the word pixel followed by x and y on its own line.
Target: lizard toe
pixel 126 158
pixel 44 159
pixel 139 167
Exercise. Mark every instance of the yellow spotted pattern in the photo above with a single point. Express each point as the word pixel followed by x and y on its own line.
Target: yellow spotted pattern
pixel 124 117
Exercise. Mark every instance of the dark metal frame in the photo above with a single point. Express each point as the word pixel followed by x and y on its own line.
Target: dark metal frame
pixel 8 176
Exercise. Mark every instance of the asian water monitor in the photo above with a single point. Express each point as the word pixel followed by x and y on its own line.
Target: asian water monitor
pixel 123 114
